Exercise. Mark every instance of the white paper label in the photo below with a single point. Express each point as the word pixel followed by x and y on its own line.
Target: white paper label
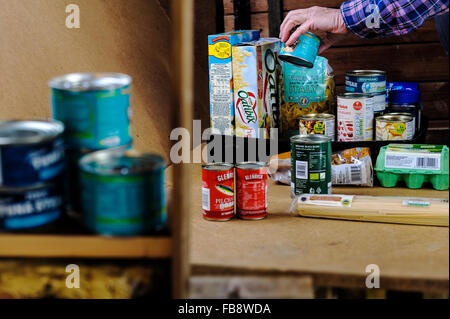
pixel 326 200
pixel 205 199
pixel 416 203
pixel 427 161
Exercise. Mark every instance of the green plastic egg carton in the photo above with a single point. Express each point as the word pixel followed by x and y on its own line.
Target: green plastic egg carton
pixel 414 164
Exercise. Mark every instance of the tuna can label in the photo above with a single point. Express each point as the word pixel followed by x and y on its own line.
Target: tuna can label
pixel 123 205
pixel 30 208
pixel 354 119
pixel 310 168
pixel 367 83
pixel 251 194
pixel 25 165
pixel 94 119
pixel 218 194
pixel 394 130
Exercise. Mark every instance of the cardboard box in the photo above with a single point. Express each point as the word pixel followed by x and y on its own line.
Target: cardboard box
pixel 221 78
pixel 255 77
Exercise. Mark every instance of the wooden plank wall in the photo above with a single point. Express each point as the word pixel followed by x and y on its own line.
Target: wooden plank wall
pixel 417 57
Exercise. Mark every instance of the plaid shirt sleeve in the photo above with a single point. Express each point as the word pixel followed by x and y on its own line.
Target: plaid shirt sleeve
pixel 373 18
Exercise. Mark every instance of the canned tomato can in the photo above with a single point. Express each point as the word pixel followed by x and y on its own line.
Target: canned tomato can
pixel 303 52
pixel 323 124
pixel 31 152
pixel 218 191
pixel 392 127
pixel 310 164
pixel 95 107
pixel 23 208
pixel 122 192
pixel 251 190
pixel 366 81
pixel 354 117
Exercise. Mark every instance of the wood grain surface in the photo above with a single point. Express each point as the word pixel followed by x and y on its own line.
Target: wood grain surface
pixel 333 252
pixel 86 246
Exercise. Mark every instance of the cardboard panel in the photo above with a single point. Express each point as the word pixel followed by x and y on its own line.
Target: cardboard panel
pixel 117 36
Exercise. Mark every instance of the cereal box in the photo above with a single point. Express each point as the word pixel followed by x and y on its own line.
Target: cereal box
pixel 221 78
pixel 256 97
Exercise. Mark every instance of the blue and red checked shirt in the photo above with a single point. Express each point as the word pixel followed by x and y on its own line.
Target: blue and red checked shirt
pixel 374 18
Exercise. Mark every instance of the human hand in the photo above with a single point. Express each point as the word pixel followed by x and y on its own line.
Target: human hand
pixel 314 19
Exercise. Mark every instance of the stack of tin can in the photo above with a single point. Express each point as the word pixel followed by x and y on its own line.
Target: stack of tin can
pixel 118 192
pixel 31 169
pixel 362 113
pixel 95 111
pixel 364 100
pixel 371 82
pixel 218 191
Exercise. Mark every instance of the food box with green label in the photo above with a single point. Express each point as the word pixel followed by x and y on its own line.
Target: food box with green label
pixel 414 164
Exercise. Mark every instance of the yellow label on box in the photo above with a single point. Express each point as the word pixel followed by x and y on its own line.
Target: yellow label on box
pixel 220 50
pixel 314 176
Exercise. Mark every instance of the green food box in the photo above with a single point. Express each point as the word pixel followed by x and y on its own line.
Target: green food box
pixel 414 164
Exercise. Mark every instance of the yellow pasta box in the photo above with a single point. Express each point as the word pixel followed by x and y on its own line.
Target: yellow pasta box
pixel 256 96
pixel 221 78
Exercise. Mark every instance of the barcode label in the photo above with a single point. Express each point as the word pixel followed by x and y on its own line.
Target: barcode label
pixel 427 162
pixel 206 199
pixel 301 169
pixel 355 174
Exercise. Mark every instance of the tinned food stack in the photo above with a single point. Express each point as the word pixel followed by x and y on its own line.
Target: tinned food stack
pixel 31 164
pixel 122 192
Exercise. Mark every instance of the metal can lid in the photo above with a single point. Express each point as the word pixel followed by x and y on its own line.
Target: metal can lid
pixel 17 132
pixel 394 118
pixel 317 116
pixel 119 162
pixel 78 82
pixel 401 114
pixel 311 139
pixel 251 165
pixel 349 95
pixel 402 106
pixel 220 166
pixel 367 73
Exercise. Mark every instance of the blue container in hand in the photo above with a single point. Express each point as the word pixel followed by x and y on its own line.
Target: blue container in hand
pixel 303 52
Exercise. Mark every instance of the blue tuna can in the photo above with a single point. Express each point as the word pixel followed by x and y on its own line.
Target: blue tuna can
pixel 31 152
pixel 122 192
pixel 31 207
pixel 95 108
pixel 303 52
pixel 365 81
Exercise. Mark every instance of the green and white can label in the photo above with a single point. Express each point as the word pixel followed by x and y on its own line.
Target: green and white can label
pixel 310 164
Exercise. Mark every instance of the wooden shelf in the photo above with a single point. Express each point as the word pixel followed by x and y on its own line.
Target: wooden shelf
pixel 84 246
